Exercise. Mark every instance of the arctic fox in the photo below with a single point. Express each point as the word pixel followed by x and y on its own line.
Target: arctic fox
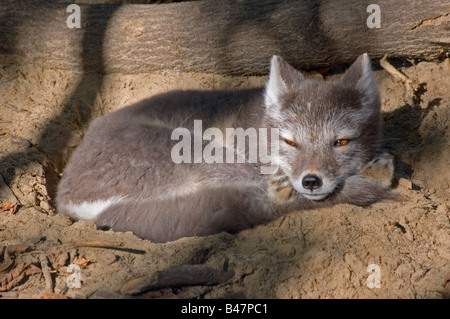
pixel 123 174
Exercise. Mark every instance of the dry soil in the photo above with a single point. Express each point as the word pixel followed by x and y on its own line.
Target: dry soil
pixel 320 253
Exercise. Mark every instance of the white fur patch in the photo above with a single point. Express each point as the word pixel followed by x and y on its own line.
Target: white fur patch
pixel 90 210
pixel 275 84
pixel 189 187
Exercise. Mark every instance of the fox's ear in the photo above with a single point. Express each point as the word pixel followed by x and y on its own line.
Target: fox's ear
pixel 281 77
pixel 360 77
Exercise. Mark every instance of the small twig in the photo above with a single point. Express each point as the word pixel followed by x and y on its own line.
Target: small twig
pixel 105 244
pixel 46 272
pixel 8 257
pixel 393 71
pixel 100 244
pixel 14 108
pixel 396 74
pixel 282 221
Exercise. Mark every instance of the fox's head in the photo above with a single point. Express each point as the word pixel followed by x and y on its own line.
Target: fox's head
pixel 328 130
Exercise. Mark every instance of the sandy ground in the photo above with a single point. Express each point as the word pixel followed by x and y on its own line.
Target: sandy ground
pixel 321 253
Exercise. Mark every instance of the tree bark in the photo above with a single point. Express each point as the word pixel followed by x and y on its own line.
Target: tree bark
pixel 220 36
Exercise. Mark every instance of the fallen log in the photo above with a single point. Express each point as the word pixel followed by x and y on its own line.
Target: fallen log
pixel 220 36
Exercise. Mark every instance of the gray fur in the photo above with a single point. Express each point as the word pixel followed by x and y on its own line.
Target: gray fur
pixel 123 165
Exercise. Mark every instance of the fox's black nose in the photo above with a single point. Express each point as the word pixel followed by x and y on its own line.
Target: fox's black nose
pixel 311 182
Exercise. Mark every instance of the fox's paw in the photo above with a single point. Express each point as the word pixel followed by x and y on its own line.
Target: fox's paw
pixel 380 170
pixel 280 189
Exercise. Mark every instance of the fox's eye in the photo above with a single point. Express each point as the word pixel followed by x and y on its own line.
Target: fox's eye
pixel 289 142
pixel 341 142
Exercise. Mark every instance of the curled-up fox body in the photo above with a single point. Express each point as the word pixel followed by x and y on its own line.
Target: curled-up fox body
pixel 172 166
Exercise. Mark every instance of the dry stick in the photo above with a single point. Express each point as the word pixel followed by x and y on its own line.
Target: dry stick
pixel 393 71
pixel 14 277
pixel 14 108
pixel 396 74
pixel 105 244
pixel 8 257
pixel 46 272
pixel 100 244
